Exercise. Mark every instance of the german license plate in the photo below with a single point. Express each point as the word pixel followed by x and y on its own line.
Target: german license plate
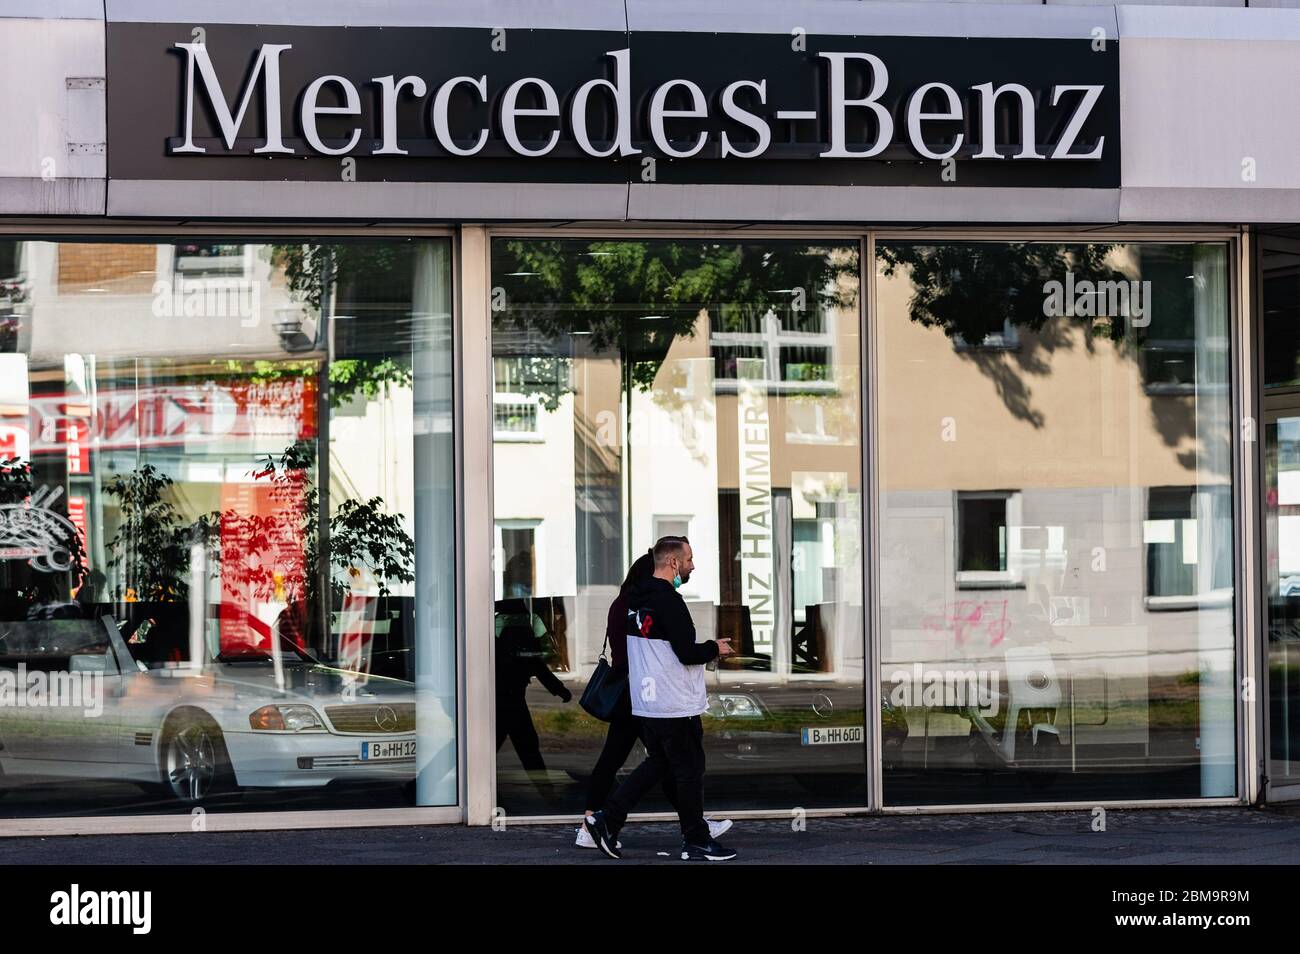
pixel 831 734
pixel 381 751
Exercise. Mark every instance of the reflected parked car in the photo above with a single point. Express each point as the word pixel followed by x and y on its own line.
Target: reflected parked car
pixel 813 731
pixel 261 711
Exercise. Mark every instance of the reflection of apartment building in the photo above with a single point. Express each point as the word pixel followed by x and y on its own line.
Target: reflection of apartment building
pixel 1060 495
pixel 608 469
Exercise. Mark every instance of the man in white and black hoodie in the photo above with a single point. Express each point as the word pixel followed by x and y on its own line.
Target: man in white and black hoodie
pixel 666 680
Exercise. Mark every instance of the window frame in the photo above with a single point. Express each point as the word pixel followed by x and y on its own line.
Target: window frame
pixel 1011 577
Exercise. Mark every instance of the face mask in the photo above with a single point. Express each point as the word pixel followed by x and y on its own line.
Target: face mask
pixel 677 582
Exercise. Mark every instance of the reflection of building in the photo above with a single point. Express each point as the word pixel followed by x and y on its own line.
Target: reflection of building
pixel 1079 564
pixel 1060 493
pixel 744 442
pixel 120 402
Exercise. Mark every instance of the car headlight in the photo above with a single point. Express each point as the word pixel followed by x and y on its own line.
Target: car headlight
pixel 734 705
pixel 286 718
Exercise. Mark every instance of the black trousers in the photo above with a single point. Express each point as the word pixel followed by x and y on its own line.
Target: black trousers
pixel 515 722
pixel 673 747
pixel 619 740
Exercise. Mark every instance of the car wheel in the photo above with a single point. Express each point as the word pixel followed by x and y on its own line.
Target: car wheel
pixel 194 760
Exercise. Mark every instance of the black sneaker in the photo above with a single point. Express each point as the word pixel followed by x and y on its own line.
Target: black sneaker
pixel 709 851
pixel 601 835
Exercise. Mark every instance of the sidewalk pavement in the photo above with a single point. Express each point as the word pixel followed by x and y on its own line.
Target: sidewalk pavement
pixel 1226 836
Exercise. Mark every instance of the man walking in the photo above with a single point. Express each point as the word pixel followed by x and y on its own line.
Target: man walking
pixel 666 679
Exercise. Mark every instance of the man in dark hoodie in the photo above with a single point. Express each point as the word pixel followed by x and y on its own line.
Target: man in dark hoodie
pixel 666 679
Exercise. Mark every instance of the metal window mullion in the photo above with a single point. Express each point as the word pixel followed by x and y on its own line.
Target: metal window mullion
pixel 1248 580
pixel 476 394
pixel 869 521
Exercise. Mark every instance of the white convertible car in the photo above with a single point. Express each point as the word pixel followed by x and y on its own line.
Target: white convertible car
pixel 247 719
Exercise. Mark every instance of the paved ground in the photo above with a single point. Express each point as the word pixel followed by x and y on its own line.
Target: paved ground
pixel 1194 836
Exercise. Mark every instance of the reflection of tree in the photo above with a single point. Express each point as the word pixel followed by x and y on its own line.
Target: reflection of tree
pixel 557 301
pixel 365 376
pixel 361 535
pixel 634 298
pixel 31 580
pixel 313 272
pixel 150 550
pixel 971 291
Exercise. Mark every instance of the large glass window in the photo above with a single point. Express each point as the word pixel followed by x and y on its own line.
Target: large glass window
pixel 706 389
pixel 1055 522
pixel 226 526
pixel 1280 346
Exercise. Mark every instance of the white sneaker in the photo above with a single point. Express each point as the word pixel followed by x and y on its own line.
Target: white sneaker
pixel 584 839
pixel 716 830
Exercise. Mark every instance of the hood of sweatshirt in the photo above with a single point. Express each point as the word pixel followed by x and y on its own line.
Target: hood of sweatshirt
pixel 646 591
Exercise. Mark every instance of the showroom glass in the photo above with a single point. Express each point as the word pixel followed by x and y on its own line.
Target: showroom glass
pixel 1055 522
pixel 1280 348
pixel 688 388
pixel 226 515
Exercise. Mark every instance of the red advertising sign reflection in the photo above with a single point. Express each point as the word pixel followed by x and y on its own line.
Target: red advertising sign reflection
pixel 263 567
pixel 77 517
pixel 168 415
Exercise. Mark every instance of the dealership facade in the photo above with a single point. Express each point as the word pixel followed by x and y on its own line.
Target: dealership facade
pixel 349 357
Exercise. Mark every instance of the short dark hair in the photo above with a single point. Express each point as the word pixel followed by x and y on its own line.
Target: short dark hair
pixel 666 547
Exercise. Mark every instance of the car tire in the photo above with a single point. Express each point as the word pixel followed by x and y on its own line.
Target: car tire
pixel 195 764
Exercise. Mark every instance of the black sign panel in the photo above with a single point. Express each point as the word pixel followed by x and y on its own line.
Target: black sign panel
pixel 475 105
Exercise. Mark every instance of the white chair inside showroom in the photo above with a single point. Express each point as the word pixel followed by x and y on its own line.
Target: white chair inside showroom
pixel 1032 686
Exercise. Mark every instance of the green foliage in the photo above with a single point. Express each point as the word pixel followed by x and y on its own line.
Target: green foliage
pixel 348 377
pixel 361 534
pixel 365 376
pixel 363 272
pixel 262 371
pixel 151 547
pixel 150 550
pixel 311 270
pixel 634 298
